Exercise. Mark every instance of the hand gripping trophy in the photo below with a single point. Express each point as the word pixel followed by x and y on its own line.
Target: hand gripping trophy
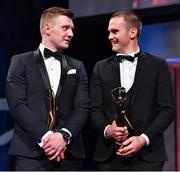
pixel 120 98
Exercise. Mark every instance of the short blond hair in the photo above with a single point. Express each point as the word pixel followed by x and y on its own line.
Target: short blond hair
pixel 52 13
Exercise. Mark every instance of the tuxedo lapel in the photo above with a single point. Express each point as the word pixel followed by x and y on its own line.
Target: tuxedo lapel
pixel 42 68
pixel 114 77
pixel 64 70
pixel 138 75
pixel 115 73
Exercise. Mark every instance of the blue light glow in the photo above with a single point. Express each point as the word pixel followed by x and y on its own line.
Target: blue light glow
pixel 173 59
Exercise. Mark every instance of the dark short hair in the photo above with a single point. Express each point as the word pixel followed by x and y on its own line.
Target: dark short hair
pixel 131 18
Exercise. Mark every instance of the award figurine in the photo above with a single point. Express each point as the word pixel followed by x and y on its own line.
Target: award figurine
pixel 52 109
pixel 120 98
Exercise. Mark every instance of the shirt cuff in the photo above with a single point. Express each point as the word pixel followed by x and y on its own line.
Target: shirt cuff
pixel 41 143
pixel 105 131
pixel 66 130
pixel 146 139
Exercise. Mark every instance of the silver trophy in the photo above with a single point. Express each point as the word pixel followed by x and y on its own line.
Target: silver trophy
pixel 120 98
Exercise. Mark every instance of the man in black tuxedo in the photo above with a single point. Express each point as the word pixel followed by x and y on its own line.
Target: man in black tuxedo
pixel 150 102
pixel 47 93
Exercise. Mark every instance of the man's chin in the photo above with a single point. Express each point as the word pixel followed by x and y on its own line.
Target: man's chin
pixel 114 49
pixel 65 46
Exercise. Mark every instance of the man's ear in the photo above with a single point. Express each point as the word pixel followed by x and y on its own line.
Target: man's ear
pixel 46 28
pixel 133 32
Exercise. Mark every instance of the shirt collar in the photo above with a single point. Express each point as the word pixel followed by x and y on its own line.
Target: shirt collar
pixel 41 48
pixel 131 54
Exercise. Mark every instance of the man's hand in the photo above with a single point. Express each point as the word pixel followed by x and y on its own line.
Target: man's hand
pixel 55 146
pixel 131 146
pixel 118 133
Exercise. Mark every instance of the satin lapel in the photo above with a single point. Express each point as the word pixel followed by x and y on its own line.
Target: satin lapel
pixel 138 75
pixel 115 72
pixel 64 70
pixel 114 77
pixel 42 68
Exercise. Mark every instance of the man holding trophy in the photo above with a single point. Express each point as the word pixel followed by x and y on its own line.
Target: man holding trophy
pixel 132 101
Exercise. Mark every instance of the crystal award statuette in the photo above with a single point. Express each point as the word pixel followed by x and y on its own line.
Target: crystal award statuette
pixel 120 98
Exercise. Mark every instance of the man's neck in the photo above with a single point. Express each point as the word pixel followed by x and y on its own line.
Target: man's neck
pixel 48 45
pixel 130 52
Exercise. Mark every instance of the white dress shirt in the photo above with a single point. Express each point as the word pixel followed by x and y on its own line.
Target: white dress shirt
pixel 127 72
pixel 53 67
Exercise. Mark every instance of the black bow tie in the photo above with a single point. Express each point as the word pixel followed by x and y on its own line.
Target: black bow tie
pixel 48 53
pixel 129 58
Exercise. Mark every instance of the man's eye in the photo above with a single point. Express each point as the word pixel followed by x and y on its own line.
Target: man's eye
pixel 65 28
pixel 115 32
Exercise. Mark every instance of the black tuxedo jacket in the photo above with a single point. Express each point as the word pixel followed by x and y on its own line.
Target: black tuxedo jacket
pixel 151 105
pixel 27 90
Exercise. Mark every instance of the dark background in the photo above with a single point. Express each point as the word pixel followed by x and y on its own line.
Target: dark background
pixel 20 33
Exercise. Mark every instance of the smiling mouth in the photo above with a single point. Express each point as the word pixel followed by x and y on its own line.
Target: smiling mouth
pixel 68 40
pixel 114 42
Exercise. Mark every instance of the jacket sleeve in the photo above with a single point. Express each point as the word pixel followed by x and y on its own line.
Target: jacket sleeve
pixel 165 104
pixel 98 119
pixel 16 92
